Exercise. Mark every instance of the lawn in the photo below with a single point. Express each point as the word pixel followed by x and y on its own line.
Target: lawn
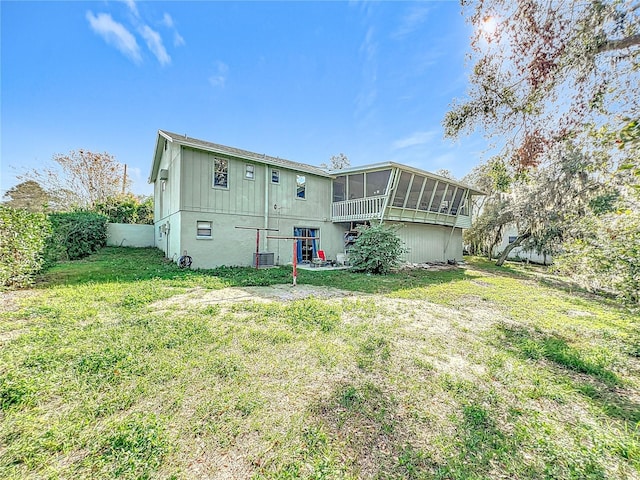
pixel 124 366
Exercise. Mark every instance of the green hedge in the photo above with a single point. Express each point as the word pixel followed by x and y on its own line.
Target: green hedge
pixel 75 235
pixel 23 236
pixel 127 209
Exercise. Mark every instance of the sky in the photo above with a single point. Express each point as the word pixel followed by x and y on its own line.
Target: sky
pixel 298 80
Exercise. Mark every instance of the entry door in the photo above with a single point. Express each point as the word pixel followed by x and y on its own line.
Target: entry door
pixel 307 249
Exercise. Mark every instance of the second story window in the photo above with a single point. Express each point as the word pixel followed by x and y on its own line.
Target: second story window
pixel 275 176
pixel 221 173
pixel 301 186
pixel 249 172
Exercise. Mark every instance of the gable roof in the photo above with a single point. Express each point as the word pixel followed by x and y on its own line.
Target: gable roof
pixel 186 141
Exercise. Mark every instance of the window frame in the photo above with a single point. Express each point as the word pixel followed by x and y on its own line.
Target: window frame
pixel 200 236
pixel 276 172
pixel 249 167
pixel 216 160
pixel 304 187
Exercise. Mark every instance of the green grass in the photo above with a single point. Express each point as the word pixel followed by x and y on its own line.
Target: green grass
pixel 124 366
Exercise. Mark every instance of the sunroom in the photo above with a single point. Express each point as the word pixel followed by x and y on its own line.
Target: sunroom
pixel 389 191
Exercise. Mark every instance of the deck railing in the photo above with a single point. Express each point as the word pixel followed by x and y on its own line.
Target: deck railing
pixel 358 209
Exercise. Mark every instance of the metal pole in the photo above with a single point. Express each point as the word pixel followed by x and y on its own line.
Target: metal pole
pixel 257 249
pixel 295 262
pixel 295 253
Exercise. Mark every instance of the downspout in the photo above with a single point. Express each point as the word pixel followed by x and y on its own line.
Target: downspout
pixel 446 246
pixel 266 203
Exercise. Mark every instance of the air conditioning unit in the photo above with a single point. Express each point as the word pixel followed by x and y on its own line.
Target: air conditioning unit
pixel 264 259
pixel 164 174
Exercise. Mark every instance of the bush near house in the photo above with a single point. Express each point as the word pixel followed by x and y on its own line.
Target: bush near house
pixel 377 250
pixel 75 235
pixel 22 240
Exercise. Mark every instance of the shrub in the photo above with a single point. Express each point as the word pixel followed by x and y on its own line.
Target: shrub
pixel 75 235
pixel 22 240
pixel 127 209
pixel 378 250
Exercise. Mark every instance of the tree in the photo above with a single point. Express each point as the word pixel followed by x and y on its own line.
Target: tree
pixel 29 196
pixel 80 179
pixel 337 162
pixel 489 225
pixel 604 254
pixel 443 172
pixel 127 209
pixel 543 205
pixel 546 72
pixel 549 201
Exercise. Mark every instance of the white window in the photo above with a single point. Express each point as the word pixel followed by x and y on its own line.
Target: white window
pixel 275 176
pixel 301 186
pixel 203 229
pixel 221 173
pixel 249 172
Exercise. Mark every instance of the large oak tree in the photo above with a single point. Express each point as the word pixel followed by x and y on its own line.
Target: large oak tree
pixel 548 71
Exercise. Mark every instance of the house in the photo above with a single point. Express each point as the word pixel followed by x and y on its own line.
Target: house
pixel 203 191
pixel 521 253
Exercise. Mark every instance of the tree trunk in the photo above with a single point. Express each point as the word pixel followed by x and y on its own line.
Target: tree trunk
pixel 496 240
pixel 503 256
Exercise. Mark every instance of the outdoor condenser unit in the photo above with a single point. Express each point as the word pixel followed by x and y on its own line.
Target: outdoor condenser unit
pixel 265 259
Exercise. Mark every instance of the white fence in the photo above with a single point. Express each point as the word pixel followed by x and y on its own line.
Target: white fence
pixel 130 235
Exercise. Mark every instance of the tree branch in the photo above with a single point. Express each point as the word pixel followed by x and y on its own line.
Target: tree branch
pixel 611 45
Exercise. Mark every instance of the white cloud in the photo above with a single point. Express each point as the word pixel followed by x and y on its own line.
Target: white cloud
pixel 154 42
pixel 167 20
pixel 178 41
pixel 368 93
pixel 411 22
pixel 417 138
pixel 115 34
pixel 132 6
pixel 219 78
pixel 369 47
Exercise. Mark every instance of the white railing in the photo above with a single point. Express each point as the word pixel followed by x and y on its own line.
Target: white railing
pixel 358 209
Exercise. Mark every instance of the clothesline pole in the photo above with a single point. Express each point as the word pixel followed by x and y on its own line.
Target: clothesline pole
pixel 257 229
pixel 295 253
pixel 295 262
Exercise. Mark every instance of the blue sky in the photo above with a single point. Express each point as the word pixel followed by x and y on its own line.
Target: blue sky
pixel 299 80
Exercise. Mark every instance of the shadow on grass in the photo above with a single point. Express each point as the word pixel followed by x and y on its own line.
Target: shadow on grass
pixel 591 377
pixel 363 421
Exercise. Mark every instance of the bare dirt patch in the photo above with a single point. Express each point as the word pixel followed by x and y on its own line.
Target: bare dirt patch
pixel 10 301
pixel 274 293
